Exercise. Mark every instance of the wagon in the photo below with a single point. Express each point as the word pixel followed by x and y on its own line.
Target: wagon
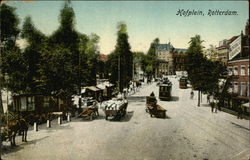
pixel 88 113
pixel 115 108
pixel 154 109
pixel 90 110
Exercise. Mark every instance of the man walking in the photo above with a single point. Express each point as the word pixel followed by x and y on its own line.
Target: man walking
pixel 192 94
pixel 208 98
pixel 240 110
pixel 212 106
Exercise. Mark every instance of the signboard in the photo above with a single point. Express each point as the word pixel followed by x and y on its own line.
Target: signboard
pixel 235 48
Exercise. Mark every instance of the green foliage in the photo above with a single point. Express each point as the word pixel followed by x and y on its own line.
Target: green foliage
pixel 57 64
pixel 57 71
pixel 33 36
pixel 14 65
pixel 9 30
pixel 32 55
pixel 92 52
pixel 123 55
pixel 150 61
pixel 204 74
pixel 9 24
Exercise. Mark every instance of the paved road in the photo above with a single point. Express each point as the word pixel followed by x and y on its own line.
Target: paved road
pixel 189 132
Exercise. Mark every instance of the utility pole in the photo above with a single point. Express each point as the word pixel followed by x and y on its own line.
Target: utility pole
pixel 119 73
pixel 133 72
pixel 79 81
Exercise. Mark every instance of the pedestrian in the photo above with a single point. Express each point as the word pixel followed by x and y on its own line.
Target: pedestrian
pixel 216 106
pixel 208 98
pixel 240 110
pixel 192 94
pixel 212 106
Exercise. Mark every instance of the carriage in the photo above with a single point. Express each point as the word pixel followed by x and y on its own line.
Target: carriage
pixel 153 108
pixel 115 108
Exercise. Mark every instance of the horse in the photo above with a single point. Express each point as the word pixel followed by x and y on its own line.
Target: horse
pixel 14 126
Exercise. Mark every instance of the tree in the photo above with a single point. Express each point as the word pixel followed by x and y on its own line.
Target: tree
pixel 9 30
pixel 203 74
pixel 194 66
pixel 92 52
pixel 9 25
pixel 151 61
pixel 65 41
pixel 32 55
pixel 121 59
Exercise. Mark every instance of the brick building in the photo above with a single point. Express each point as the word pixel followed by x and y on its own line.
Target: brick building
pixel 170 59
pixel 179 59
pixel 238 70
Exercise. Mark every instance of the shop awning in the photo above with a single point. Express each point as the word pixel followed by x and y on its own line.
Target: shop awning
pixel 93 88
pixel 246 104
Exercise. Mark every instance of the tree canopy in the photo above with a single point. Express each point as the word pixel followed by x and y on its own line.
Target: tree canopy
pixel 203 73
pixel 121 59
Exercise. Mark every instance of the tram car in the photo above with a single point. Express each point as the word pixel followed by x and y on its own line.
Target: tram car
pixel 165 90
pixel 37 107
pixel 183 82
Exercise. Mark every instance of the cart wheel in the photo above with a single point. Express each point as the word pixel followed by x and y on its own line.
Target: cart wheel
pixel 106 117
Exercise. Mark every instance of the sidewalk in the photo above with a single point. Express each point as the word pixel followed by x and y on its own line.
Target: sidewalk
pixel 228 115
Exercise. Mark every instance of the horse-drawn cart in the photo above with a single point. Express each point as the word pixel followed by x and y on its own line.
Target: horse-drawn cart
pixel 153 108
pixel 115 108
pixel 90 110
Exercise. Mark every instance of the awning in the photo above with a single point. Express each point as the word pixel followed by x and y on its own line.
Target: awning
pixel 93 88
pixel 101 86
pixel 247 104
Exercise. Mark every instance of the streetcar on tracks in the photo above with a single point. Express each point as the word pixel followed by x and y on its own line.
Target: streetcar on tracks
pixel 165 90
pixel 183 82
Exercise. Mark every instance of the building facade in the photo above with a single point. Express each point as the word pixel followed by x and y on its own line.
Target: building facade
pixel 179 59
pixel 138 73
pixel 238 71
pixel 164 54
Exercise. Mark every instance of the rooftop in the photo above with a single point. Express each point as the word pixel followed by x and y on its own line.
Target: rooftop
pixel 167 47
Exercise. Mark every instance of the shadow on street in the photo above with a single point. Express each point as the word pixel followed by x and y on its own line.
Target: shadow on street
pixel 10 149
pixel 175 98
pixel 136 98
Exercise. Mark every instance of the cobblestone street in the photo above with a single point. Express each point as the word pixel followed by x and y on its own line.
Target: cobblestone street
pixel 188 132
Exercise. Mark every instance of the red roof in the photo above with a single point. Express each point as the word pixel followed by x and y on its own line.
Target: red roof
pixel 103 57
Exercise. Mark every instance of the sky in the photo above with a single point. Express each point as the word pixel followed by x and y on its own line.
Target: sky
pixel 145 20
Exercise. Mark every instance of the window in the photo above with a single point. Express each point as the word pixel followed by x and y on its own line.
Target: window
pixel 243 89
pixel 243 70
pixel 248 70
pixel 230 88
pixel 31 103
pixel 235 72
pixel 235 87
pixel 230 71
pixel 23 104
pixel 248 88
